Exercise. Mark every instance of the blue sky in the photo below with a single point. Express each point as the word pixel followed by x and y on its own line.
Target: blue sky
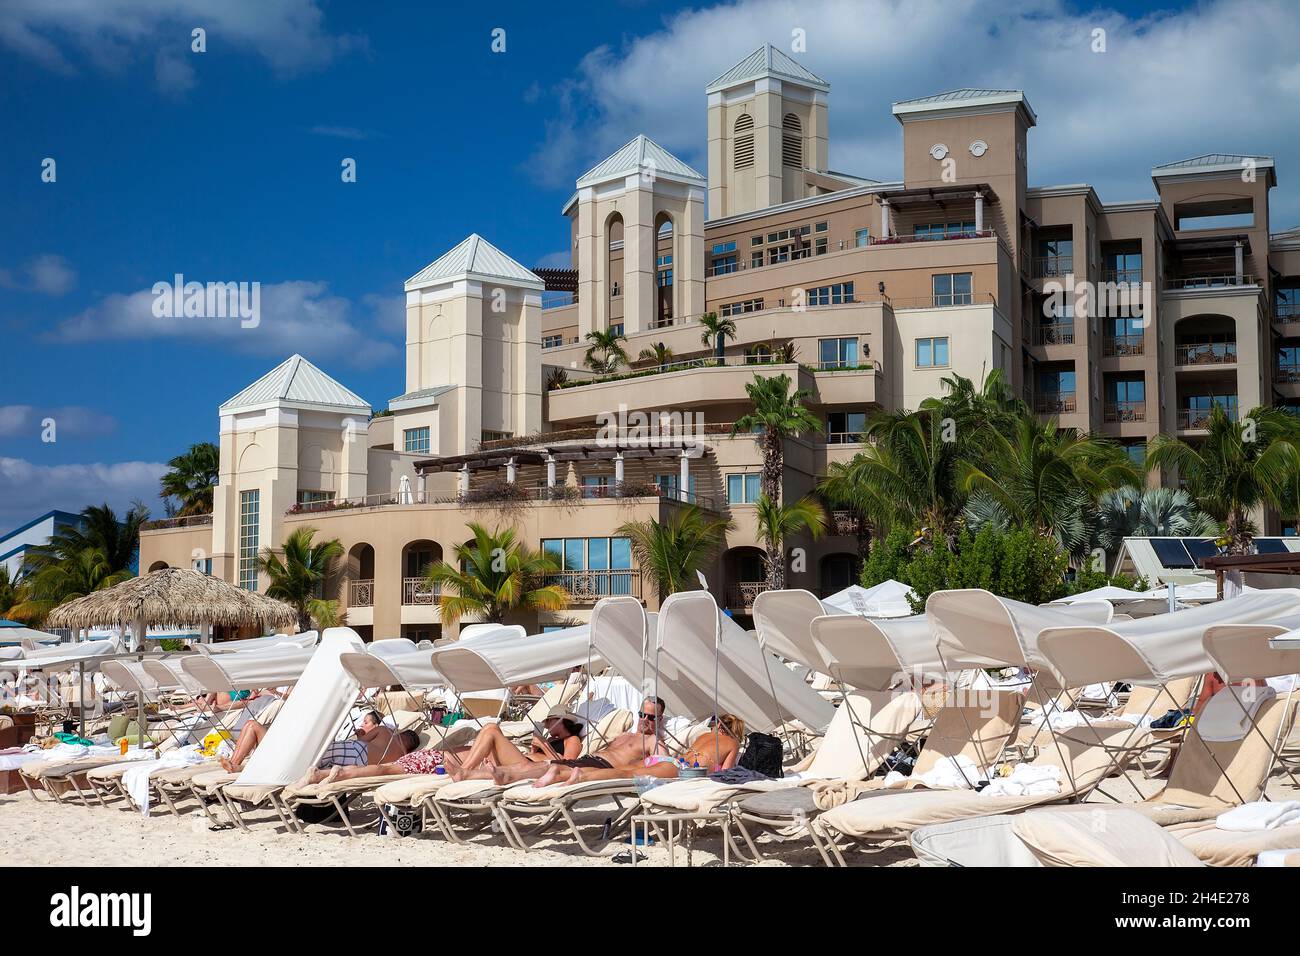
pixel 225 165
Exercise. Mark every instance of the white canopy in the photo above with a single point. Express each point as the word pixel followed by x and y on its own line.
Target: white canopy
pixel 1242 651
pixel 168 674
pixel 131 676
pixel 61 657
pixel 783 619
pixel 1158 648
pixel 618 630
pixel 492 661
pixel 18 635
pixel 1199 591
pixel 305 639
pixel 859 650
pixel 886 599
pixel 976 628
pixel 1106 593
pixel 248 671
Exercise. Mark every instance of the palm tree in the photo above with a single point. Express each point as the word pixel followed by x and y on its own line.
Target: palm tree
pixel 99 528
pixel 496 576
pixel 192 477
pixel 776 522
pixel 297 578
pixel 1149 513
pixel 716 332
pixel 659 353
pixel 672 551
pixel 778 414
pixel 9 591
pixel 1044 477
pixel 75 575
pixel 605 342
pixel 1236 468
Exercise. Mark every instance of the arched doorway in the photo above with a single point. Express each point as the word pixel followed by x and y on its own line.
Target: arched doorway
pixel 359 575
pixel 744 571
pixel 416 558
pixel 664 248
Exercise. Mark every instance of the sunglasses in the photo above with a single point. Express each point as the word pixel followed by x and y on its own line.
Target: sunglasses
pixel 644 716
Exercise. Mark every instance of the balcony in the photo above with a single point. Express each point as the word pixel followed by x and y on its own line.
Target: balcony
pixel 1122 276
pixel 933 237
pixel 742 594
pixel 416 592
pixel 361 593
pixel 1206 353
pixel 1125 412
pixel 189 521
pixel 1192 419
pixel 588 587
pixel 1055 403
pixel 1220 281
pixel 845 438
pixel 1119 346
pixel 1054 333
pixel 1050 267
pixel 1287 374
pixel 558 300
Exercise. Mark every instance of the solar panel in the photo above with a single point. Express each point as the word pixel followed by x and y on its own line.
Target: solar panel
pixel 1270 546
pixel 1200 548
pixel 1171 553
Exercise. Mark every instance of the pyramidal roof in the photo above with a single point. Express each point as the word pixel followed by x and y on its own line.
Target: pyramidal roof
pixel 296 383
pixel 634 156
pixel 767 60
pixel 967 96
pixel 478 259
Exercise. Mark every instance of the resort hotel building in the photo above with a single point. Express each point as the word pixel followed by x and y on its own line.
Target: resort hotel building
pixel 1122 318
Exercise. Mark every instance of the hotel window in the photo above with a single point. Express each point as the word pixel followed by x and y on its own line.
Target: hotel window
pixel 952 288
pixel 845 428
pixel 416 440
pixel 756 260
pixel 740 308
pixel 595 486
pixel 489 435
pixel 248 529
pixel 664 277
pixel 608 559
pixel 837 353
pixel 819 246
pixel 862 237
pixel 742 150
pixel 837 294
pixel 932 352
pixel 821 226
pixel 670 486
pixel 724 258
pixel 617 328
pixel 940 230
pixel 306 497
pixel 552 341
pixel 743 489
pixel 1123 267
pixel 755 240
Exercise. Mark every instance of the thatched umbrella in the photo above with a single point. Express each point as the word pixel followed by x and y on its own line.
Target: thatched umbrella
pixel 172 597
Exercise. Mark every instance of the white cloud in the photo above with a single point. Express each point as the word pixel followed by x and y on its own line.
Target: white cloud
pixel 1216 77
pixel 296 316
pixel 563 259
pixel 28 489
pixel 69 420
pixel 340 132
pixel 289 34
pixel 48 274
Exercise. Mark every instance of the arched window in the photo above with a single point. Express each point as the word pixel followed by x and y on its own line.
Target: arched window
pixel 743 142
pixel 792 141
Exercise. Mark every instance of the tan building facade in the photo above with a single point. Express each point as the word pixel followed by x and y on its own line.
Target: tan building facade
pixel 1127 319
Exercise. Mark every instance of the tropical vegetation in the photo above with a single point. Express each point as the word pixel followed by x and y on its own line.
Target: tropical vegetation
pixel 777 521
pixel 298 577
pixel 605 353
pixel 190 479
pixel 672 552
pixel 715 332
pixel 494 577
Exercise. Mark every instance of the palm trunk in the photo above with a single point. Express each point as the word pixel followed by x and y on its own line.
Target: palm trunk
pixel 775 566
pixel 773 466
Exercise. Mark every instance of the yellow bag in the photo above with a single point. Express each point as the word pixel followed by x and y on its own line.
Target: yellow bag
pixel 212 742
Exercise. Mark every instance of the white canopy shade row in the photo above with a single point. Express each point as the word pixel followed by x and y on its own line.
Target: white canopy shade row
pixel 1163 648
pixel 249 670
pixel 886 599
pixel 131 676
pixel 396 661
pixel 63 657
pixel 168 674
pixel 782 619
pixel 493 660
pixel 305 639
pixel 975 628
pixel 872 654
pixel 1242 651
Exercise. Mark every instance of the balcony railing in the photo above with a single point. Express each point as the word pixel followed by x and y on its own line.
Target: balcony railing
pixel 742 594
pixel 1055 403
pixel 1286 311
pixel 1206 353
pixel 932 237
pixel 1054 333
pixel 1288 373
pixel 1114 346
pixel 1222 281
pixel 361 593
pixel 588 587
pixel 1194 418
pixel 1122 276
pixel 1047 267
pixel 189 521
pixel 558 300
pixel 845 438
pixel 845 523
pixel 416 591
pixel 1125 412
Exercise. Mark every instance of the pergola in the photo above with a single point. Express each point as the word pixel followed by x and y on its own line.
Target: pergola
pixel 937 196
pixel 1285 562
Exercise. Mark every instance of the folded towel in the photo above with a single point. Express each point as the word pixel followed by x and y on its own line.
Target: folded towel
pixel 1260 815
pixel 1026 780
pixel 828 794
pixel 1228 714
pixel 1279 858
pixel 949 773
pixel 135 781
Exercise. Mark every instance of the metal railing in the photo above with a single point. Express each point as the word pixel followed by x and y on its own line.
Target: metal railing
pixel 417 591
pixel 743 593
pixel 932 237
pixel 1054 333
pixel 189 521
pixel 1046 267
pixel 553 299
pixel 845 523
pixel 1118 345
pixel 1288 373
pixel 1199 418
pixel 1286 311
pixel 588 587
pixel 1221 281
pixel 1206 353
pixel 1125 412
pixel 361 593
pixel 845 438
pixel 1055 403
pixel 1123 276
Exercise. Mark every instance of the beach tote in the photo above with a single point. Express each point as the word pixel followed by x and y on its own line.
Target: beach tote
pixel 762 755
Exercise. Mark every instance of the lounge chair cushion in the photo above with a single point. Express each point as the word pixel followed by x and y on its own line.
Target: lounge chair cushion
pixel 781 803
pixel 892 813
pixel 321 791
pixel 465 789
pixel 1080 836
pixel 408 791
pixel 1233 847
pixel 704 795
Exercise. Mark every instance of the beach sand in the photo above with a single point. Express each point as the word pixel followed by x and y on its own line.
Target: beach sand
pixel 45 833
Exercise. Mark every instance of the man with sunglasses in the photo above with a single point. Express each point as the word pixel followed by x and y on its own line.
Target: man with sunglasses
pixel 631 749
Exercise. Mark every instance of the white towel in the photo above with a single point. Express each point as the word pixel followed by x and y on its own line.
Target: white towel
pixel 1275 857
pixel 1260 815
pixel 135 781
pixel 1225 716
pixel 949 773
pixel 1026 781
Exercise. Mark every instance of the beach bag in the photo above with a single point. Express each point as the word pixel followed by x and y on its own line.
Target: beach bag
pixel 762 755
pixel 406 822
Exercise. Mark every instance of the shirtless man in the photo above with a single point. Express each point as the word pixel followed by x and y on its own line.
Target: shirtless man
pixel 624 751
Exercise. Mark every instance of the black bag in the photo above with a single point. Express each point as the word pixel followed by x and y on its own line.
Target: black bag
pixel 762 755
